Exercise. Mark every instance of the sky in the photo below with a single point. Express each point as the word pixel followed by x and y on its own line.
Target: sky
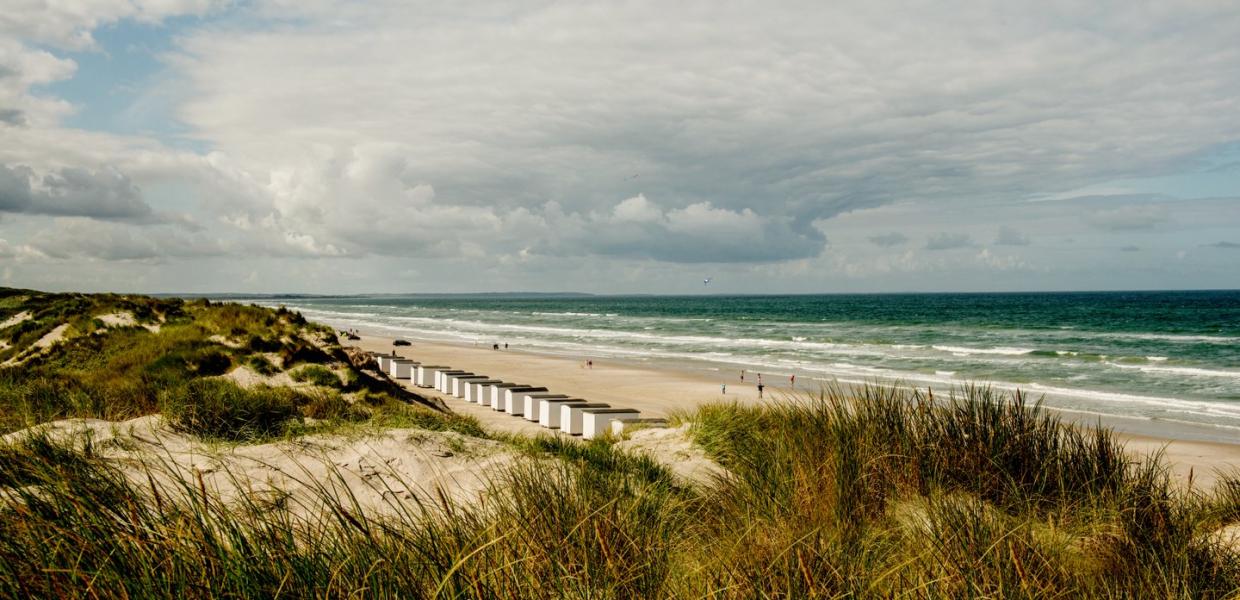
pixel 315 146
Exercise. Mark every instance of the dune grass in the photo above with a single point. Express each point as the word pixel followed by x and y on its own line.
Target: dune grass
pixel 885 494
pixel 118 373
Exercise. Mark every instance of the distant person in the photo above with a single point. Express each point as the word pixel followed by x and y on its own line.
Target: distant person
pixel 590 364
pixel 723 388
pixel 742 375
pixel 760 386
pixel 505 345
pixel 495 346
pixel 793 380
pixel 759 379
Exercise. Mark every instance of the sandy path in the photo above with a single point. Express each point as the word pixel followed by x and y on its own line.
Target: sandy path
pixel 660 392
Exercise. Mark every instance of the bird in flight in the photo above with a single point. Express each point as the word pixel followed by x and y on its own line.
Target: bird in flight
pixel 706 281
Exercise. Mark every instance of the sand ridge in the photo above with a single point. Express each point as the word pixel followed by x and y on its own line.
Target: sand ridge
pixel 385 471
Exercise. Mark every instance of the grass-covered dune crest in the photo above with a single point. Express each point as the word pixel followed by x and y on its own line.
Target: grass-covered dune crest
pixel 225 370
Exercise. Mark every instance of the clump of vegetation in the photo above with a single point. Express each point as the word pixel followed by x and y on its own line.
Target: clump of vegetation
pixel 317 375
pixel 220 409
pixel 330 406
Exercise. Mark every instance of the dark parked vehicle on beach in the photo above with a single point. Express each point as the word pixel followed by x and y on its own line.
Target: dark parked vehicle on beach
pixel 401 343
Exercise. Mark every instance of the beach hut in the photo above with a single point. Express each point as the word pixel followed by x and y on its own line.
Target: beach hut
pixel 532 404
pixel 454 383
pixel 549 410
pixel 597 421
pixel 400 368
pixel 384 361
pixel 426 375
pixel 461 384
pixel 619 426
pixel 513 404
pixel 476 390
pixel 441 379
pixel 570 416
pixel 497 392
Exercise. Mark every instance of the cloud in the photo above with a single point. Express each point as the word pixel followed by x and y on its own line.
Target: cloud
pixel 1129 218
pixel 1227 245
pixel 948 241
pixel 69 24
pixel 1010 236
pixel 83 238
pixel 1130 249
pixel 887 240
pixel 697 233
pixel 12 116
pixel 73 192
pixel 521 117
pixel 557 140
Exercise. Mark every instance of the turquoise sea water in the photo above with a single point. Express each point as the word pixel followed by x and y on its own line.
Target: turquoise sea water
pixel 1171 356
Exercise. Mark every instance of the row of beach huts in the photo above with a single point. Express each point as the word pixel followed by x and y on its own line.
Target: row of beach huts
pixel 574 416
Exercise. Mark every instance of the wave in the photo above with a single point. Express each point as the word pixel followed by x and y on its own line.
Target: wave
pixel 1190 371
pixel 965 351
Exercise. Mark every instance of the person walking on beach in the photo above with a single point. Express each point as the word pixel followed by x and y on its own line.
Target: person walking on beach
pixel 793 380
pixel 760 386
pixel 742 375
pixel 723 388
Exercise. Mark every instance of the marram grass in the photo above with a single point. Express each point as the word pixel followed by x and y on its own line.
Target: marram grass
pixel 881 494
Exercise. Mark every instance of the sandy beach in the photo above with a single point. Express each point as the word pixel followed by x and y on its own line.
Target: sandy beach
pixel 661 392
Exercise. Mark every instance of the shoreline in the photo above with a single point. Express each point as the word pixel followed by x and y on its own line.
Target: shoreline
pixel 667 389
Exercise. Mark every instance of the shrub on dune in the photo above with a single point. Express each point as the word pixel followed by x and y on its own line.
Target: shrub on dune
pixel 220 409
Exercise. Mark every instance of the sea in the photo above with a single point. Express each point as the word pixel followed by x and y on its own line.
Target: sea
pixel 1160 357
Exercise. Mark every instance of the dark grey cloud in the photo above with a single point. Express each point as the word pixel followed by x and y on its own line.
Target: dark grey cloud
pixel 12 116
pixel 1130 249
pixel 698 233
pixel 949 241
pixel 1228 245
pixel 1010 236
pixel 107 195
pixel 887 240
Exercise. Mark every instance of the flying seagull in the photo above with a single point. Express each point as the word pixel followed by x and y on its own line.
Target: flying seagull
pixel 706 281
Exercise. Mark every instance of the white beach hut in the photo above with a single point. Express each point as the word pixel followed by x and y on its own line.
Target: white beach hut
pixel 426 374
pixel 442 379
pixel 476 390
pixel 570 416
pixel 400 368
pixel 497 393
pixel 549 410
pixel 532 406
pixel 454 382
pixel 597 421
pixel 513 403
pixel 461 386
